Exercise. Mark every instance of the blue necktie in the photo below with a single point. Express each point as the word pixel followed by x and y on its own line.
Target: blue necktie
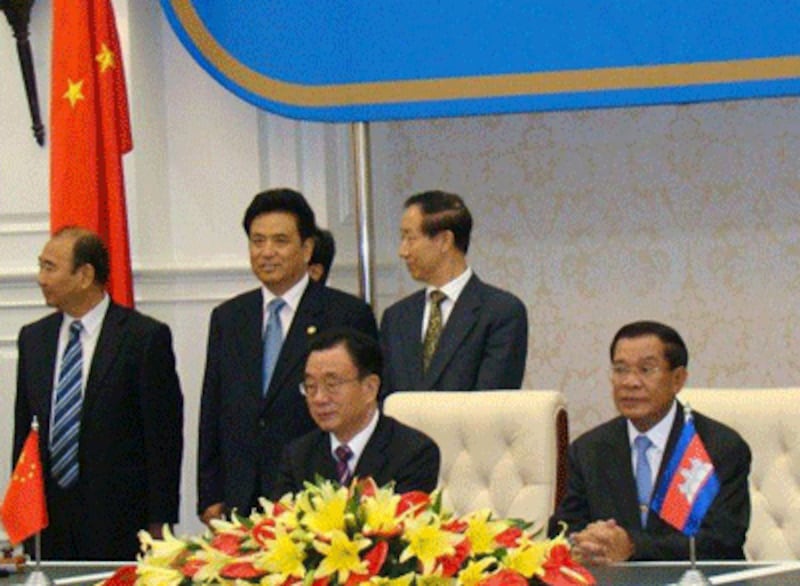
pixel 644 478
pixel 273 340
pixel 67 411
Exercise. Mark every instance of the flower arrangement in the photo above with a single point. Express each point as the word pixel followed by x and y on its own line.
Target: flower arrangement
pixel 328 535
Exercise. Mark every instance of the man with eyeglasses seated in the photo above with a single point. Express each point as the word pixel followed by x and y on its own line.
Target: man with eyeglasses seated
pixel 606 506
pixel 341 384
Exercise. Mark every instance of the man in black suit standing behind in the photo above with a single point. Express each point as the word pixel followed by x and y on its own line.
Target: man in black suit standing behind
pixel 257 346
pixel 101 380
pixel 459 333
pixel 341 384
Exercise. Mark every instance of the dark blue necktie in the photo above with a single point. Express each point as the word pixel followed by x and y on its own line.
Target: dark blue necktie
pixel 67 411
pixel 273 340
pixel 644 477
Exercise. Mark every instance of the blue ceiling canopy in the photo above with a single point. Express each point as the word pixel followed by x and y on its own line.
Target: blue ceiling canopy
pixel 382 60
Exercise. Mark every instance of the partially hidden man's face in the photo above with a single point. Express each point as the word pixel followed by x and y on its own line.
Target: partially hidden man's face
pixel 421 253
pixel 278 255
pixel 62 287
pixel 643 383
pixel 340 402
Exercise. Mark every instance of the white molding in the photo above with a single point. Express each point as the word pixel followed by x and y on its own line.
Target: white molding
pixel 176 284
pixel 12 224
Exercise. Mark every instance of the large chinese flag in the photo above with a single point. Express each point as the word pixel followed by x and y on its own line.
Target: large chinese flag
pixel 24 511
pixel 90 131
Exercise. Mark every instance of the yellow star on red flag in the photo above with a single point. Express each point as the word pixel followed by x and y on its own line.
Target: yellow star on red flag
pixel 105 58
pixel 74 92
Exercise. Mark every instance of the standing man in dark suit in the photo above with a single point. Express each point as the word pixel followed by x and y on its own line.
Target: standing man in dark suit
pixel 341 384
pixel 459 333
pixel 101 381
pixel 606 507
pixel 257 346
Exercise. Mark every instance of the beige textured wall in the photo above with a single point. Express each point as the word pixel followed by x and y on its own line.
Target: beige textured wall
pixel 685 214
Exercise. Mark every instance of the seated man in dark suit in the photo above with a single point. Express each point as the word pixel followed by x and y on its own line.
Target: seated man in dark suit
pixel 607 512
pixel 342 379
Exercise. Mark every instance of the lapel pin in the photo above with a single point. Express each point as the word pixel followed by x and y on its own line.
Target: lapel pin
pixel 311 330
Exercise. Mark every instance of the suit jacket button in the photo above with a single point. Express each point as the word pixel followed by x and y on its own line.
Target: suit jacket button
pixel 262 423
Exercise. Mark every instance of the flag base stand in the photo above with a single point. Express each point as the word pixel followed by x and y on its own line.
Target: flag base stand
pixel 693 577
pixel 38 578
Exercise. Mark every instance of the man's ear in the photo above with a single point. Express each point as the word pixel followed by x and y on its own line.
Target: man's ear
pixel 680 374
pixel 373 382
pixel 87 274
pixel 308 249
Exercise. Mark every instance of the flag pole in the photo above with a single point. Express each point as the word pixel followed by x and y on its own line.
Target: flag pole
pixel 692 576
pixel 38 576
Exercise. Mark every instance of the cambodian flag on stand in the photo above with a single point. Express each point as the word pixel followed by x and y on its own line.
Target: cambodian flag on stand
pixel 689 483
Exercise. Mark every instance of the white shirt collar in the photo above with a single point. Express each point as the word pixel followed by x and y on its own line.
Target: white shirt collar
pixel 292 297
pixel 659 433
pixel 358 442
pixel 453 288
pixel 92 320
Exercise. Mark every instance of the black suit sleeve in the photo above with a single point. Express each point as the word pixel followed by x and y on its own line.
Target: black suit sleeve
pixel 162 418
pixel 419 468
pixel 285 481
pixel 22 412
pixel 574 508
pixel 210 474
pixel 506 348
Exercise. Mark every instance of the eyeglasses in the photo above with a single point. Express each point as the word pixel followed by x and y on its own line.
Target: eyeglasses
pixel 619 371
pixel 331 387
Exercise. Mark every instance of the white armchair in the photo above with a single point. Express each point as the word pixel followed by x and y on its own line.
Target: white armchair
pixel 769 421
pixel 502 450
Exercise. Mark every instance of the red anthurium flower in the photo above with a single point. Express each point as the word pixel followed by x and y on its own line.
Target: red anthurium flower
pixel 416 500
pixel 227 543
pixel 450 564
pixel 243 570
pixel 509 537
pixel 263 532
pixel 504 577
pixel 375 559
pixel 455 526
pixel 321 581
pixel 561 570
pixel 189 569
pixel 125 576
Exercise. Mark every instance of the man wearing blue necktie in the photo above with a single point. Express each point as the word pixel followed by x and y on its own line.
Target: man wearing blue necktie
pixel 257 346
pixel 101 380
pixel 613 468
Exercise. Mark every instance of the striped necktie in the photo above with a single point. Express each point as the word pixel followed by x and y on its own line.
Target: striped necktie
pixel 343 455
pixel 67 411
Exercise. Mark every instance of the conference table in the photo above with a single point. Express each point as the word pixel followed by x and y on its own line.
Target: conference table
pixel 629 574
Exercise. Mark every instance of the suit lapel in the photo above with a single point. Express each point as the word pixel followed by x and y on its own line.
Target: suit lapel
pixel 307 321
pixel 619 475
pixel 105 353
pixel 250 347
pixel 410 343
pixel 460 323
pixel 45 376
pixel 373 458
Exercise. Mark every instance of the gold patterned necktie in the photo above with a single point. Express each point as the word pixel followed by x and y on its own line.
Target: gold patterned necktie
pixel 434 330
